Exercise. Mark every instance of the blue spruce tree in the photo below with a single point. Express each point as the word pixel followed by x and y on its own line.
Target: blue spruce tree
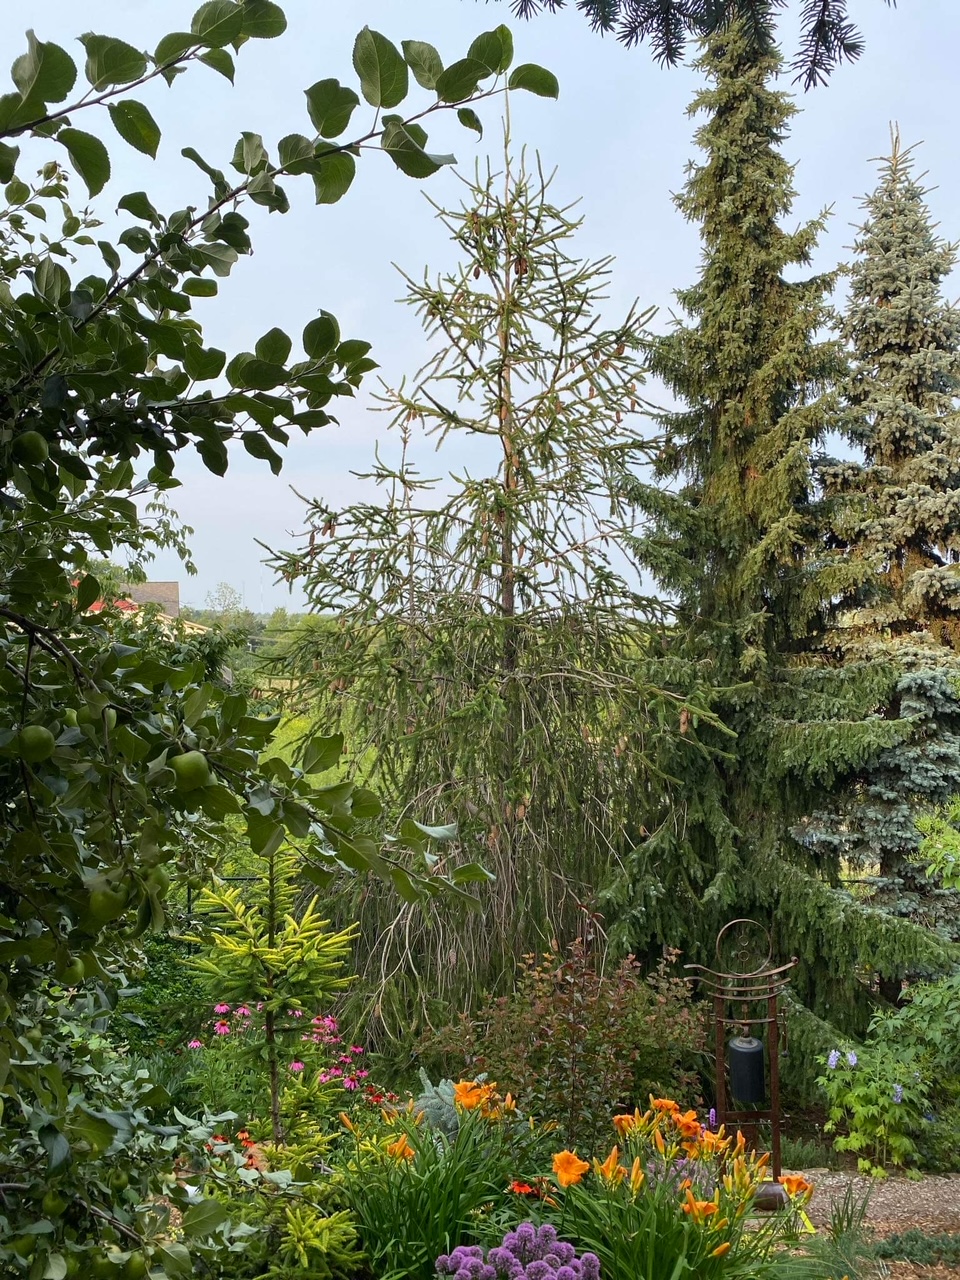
pixel 895 515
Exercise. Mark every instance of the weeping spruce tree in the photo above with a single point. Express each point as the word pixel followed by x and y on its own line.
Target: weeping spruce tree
pixel 486 655
pixel 730 521
pixel 897 513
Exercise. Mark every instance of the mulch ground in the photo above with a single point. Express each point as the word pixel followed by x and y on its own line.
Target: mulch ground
pixel 930 1204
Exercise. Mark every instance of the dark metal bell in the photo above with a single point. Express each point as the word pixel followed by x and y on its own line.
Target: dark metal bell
pixel 745 1056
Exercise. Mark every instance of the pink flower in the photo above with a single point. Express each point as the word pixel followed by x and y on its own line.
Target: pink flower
pixel 221 1008
pixel 195 1044
pixel 356 1048
pixel 295 1013
pixel 349 1082
pixel 259 1006
pixel 222 1028
pixel 362 1075
pixel 297 1067
pixel 242 1011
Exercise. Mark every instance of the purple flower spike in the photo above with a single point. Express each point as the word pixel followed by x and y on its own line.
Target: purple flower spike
pixel 833 1058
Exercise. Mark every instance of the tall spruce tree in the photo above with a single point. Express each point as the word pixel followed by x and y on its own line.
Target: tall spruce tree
pixel 727 542
pixel 896 514
pixel 486 654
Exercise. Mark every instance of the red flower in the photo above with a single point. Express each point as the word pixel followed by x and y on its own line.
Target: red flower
pixel 522 1188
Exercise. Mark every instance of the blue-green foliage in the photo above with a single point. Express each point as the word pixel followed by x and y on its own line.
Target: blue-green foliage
pixel 894 516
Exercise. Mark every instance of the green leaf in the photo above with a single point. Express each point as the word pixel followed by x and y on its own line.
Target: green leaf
pixel 296 153
pixel 220 61
pixel 217 22
pixel 52 282
pixel 471 873
pixel 274 347
pixel 535 80
pixel 258 447
pixel 45 71
pixel 8 161
pixel 137 203
pixel 407 154
pixel 56 1146
pixel 263 20
pixel 460 80
pixel 89 157
pixel 175 1260
pixel 381 68
pixel 253 374
pixel 470 120
pixel 494 49
pixel 330 106
pixel 88 592
pixel 320 336
pixel 333 176
pixel 424 61
pixel 135 125
pixel 200 287
pixel 202 363
pixel 173 46
pixel 321 754
pixel 203 1218
pixel 16 192
pixel 249 155
pixel 111 61
pixel 56 1268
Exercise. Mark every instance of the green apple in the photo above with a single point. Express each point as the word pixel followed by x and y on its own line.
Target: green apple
pixel 30 449
pixel 35 743
pixel 191 770
pixel 106 904
pixel 54 1203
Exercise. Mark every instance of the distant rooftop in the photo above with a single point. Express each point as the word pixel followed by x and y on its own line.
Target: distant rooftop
pixel 165 594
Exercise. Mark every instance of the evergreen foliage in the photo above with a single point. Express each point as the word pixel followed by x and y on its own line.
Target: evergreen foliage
pixel 827 34
pixel 727 540
pixel 895 515
pixel 489 658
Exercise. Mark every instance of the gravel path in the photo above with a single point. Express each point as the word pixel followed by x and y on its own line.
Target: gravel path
pixel 931 1203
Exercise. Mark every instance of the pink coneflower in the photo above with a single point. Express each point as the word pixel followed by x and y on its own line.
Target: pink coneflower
pixel 221 1028
pixel 259 1006
pixel 297 1067
pixel 242 1011
pixel 221 1008
pixel 294 1013
pixel 195 1044
pixel 356 1048
pixel 349 1082
pixel 362 1075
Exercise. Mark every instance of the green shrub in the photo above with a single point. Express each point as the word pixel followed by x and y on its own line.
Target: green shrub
pixel 165 1006
pixel 926 1250
pixel 807 1153
pixel 577 1043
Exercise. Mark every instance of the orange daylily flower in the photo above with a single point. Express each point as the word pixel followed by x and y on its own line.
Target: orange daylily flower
pixel 721 1249
pixel 795 1185
pixel 663 1104
pixel 637 1175
pixel 401 1149
pixel 611 1170
pixel 698 1209
pixel 687 1124
pixel 347 1122
pixel 626 1123
pixel 522 1188
pixel 569 1168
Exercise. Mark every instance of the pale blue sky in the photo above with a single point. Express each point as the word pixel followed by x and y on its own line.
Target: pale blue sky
pixel 619 135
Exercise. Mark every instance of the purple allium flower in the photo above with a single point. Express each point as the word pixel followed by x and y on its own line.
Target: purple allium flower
pixel 833 1058
pixel 713 1117
pixel 851 1058
pixel 590 1267
pixel 898 1093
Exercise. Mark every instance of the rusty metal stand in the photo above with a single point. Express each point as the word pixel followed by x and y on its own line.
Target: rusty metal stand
pixel 748 988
